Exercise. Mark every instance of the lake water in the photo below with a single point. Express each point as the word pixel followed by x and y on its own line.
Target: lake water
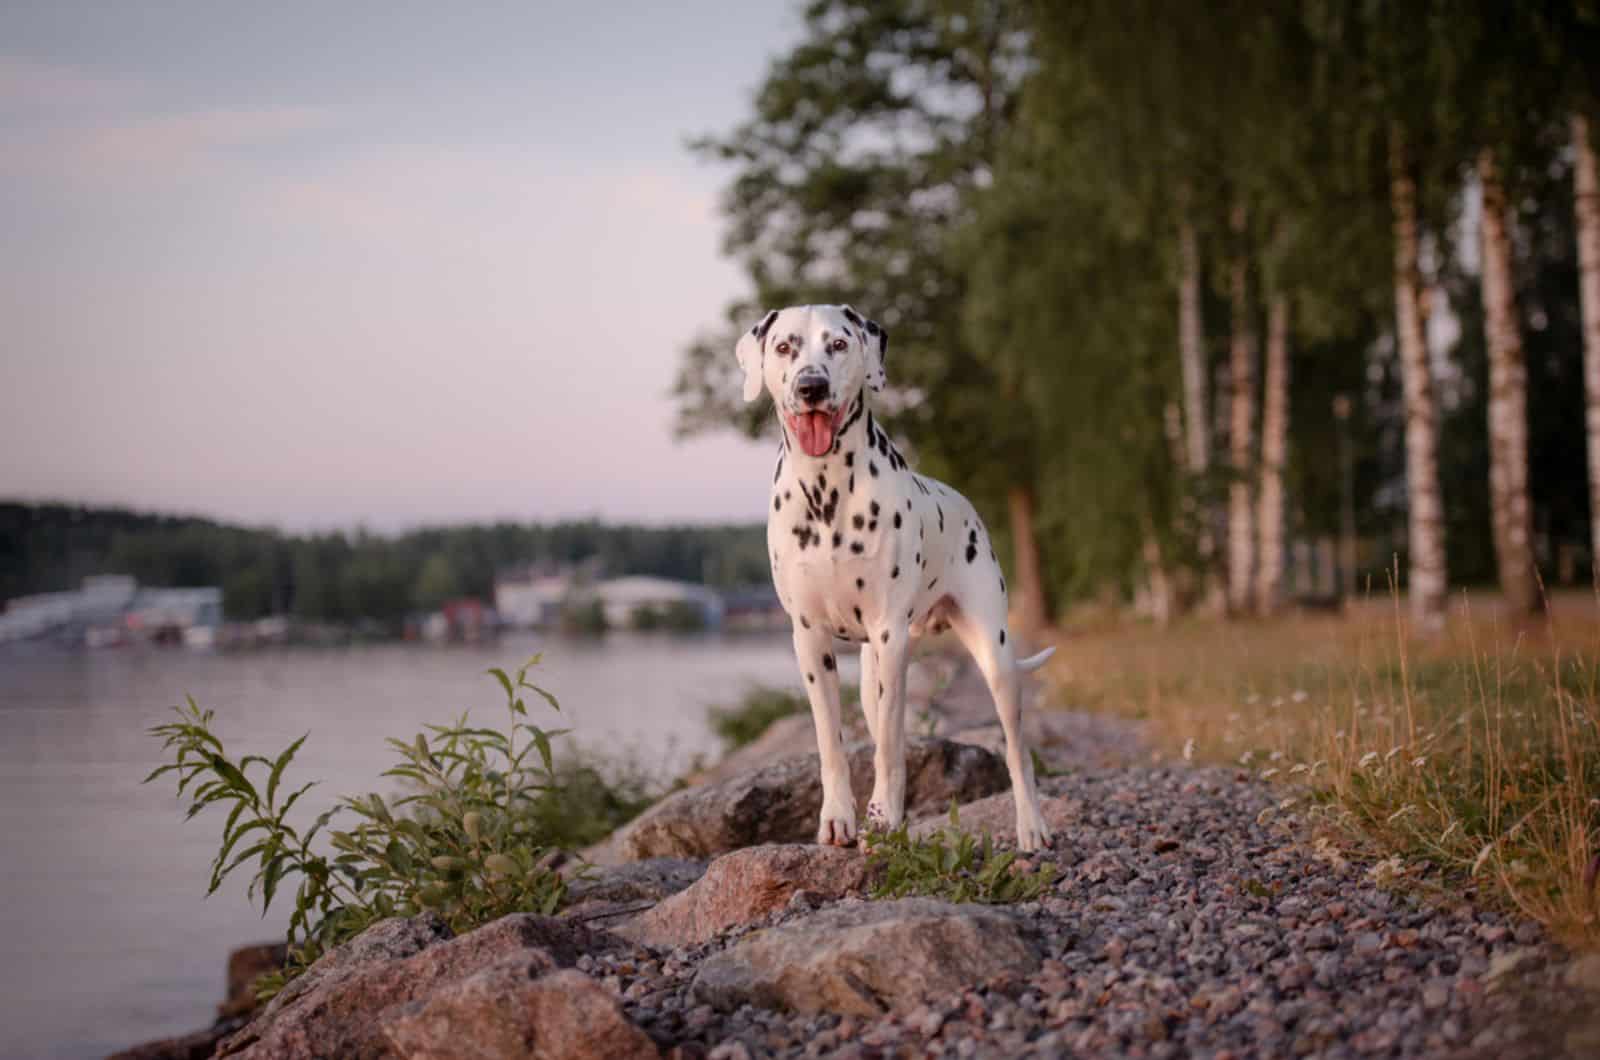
pixel 106 939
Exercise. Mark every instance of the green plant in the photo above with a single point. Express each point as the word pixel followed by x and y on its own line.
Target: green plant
pixel 470 840
pixel 745 721
pixel 953 865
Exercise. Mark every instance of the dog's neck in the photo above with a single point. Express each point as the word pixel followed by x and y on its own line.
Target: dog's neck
pixel 848 453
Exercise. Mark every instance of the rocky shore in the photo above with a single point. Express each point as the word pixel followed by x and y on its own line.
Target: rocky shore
pixel 1196 913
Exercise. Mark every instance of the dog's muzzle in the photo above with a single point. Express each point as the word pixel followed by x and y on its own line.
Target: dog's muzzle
pixel 815 425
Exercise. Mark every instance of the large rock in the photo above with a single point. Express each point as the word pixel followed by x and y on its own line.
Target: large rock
pixel 333 1009
pixel 784 738
pixel 779 803
pixel 201 1045
pixel 607 893
pixel 868 958
pixel 514 1009
pixel 743 887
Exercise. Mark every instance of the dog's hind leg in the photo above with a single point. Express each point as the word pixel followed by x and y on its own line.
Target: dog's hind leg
pixel 999 666
pixel 814 651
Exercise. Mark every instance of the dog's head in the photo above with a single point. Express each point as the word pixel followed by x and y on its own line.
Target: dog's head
pixel 813 360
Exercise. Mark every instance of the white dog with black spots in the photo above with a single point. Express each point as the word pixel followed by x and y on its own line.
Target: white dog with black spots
pixel 864 549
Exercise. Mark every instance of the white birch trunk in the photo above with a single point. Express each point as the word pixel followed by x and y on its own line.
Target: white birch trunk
pixel 1586 193
pixel 1426 576
pixel 1241 428
pixel 1510 513
pixel 1274 448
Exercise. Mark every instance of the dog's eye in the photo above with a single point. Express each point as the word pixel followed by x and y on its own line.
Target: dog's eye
pixel 839 344
pixel 783 348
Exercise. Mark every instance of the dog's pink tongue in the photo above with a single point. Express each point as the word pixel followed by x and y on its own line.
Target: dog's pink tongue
pixel 815 430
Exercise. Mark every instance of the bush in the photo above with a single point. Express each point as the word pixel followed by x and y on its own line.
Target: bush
pixel 742 724
pixel 472 840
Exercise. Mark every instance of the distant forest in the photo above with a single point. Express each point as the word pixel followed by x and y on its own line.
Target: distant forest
pixel 342 577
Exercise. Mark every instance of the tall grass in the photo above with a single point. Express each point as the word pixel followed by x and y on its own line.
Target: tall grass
pixel 1469 759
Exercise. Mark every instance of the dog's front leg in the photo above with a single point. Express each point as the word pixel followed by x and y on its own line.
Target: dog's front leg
pixel 814 650
pixel 888 806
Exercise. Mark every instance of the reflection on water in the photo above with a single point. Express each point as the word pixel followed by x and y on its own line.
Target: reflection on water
pixel 108 942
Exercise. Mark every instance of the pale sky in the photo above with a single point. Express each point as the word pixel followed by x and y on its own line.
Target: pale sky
pixel 317 264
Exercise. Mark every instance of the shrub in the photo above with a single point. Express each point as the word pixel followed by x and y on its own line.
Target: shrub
pixel 471 840
pixel 744 722
pixel 953 865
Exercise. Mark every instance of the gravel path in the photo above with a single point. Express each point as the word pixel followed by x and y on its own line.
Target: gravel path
pixel 1194 917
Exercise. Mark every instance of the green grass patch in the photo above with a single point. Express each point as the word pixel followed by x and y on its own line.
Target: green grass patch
pixel 953 865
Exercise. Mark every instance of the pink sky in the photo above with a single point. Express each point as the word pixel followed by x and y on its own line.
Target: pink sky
pixel 312 270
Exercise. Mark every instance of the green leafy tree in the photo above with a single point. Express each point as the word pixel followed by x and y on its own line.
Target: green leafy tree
pixel 869 145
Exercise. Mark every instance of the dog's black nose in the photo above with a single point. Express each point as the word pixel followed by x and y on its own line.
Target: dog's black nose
pixel 813 389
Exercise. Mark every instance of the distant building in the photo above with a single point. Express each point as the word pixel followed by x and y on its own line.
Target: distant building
pixel 624 598
pixel 753 609
pixel 531 599
pixel 110 609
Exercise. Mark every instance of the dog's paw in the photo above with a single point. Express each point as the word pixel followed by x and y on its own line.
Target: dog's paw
pixel 837 828
pixel 1033 835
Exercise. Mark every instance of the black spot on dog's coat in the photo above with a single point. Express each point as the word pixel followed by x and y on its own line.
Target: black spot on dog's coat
pixel 827 662
pixel 897 520
pixel 1002 636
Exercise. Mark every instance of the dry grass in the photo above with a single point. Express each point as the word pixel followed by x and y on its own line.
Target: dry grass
pixel 1467 759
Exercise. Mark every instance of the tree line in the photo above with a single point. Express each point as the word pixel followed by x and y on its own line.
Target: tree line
pixel 348 577
pixel 1171 284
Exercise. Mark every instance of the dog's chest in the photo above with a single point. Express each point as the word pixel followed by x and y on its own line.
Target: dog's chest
pixel 836 541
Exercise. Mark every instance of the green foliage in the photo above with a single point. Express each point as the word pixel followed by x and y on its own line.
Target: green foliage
pixel 953 865
pixel 588 618
pixel 866 148
pixel 677 616
pixel 471 839
pixel 742 723
pixel 746 720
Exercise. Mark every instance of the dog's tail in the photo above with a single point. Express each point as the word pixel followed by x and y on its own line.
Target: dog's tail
pixel 1033 662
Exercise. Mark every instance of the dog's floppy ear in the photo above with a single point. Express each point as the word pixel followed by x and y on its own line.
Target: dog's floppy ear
pixel 876 341
pixel 752 344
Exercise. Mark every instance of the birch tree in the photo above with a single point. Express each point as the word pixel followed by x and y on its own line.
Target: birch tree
pixel 1427 580
pixel 1274 450
pixel 1511 515
pixel 1241 421
pixel 1586 196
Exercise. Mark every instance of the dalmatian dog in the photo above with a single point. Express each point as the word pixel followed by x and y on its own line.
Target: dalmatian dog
pixel 864 549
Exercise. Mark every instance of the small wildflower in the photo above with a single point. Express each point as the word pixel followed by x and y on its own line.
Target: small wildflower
pixel 1299 696
pixel 1188 749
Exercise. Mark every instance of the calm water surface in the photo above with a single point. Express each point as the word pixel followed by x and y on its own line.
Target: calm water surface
pixel 106 939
